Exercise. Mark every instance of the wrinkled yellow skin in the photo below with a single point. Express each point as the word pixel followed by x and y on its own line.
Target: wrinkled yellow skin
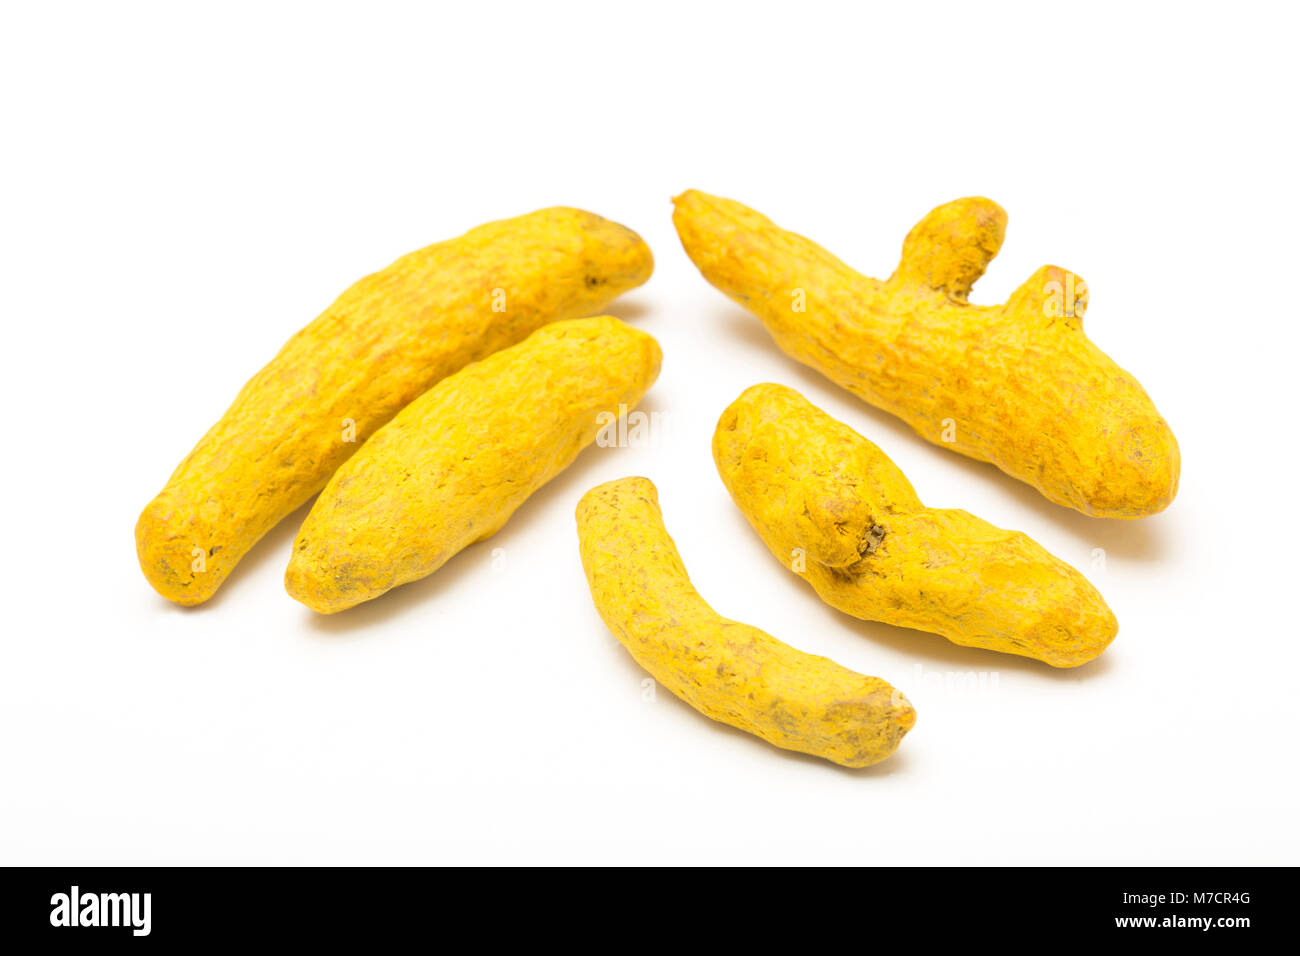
pixel 1007 384
pixel 726 670
pixel 452 466
pixel 385 341
pixel 830 505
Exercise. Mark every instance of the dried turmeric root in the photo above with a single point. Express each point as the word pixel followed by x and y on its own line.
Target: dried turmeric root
pixel 384 341
pixel 832 507
pixel 1018 385
pixel 728 671
pixel 453 466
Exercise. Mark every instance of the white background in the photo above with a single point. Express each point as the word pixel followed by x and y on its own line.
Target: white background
pixel 183 190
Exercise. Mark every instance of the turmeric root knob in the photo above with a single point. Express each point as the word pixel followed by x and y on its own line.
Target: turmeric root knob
pixel 952 246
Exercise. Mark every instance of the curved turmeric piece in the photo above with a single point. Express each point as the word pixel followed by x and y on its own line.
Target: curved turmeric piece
pixel 1019 384
pixel 728 671
pixel 453 466
pixel 384 341
pixel 832 507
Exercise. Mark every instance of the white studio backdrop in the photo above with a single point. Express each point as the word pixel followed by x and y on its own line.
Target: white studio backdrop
pixel 184 188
